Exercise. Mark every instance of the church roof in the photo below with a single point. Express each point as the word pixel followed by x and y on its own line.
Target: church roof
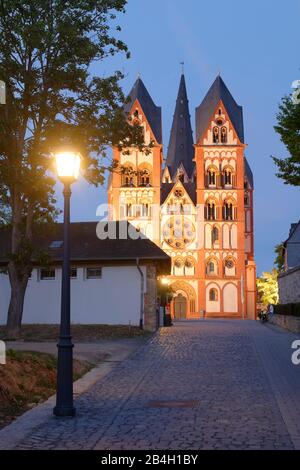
pixel 249 173
pixel 219 91
pixel 152 112
pixel 181 144
pixel 166 188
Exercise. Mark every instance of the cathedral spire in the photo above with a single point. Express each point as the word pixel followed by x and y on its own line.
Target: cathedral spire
pixel 152 112
pixel 204 112
pixel 181 149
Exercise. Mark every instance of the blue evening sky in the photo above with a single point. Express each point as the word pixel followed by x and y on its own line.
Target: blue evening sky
pixel 255 45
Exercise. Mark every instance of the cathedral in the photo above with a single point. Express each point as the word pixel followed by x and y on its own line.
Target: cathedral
pixel 195 201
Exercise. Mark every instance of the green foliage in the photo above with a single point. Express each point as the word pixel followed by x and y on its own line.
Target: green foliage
pixel 46 50
pixel 279 260
pixel 267 287
pixel 288 127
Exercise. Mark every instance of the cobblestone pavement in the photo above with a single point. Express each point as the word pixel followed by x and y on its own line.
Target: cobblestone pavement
pixel 197 385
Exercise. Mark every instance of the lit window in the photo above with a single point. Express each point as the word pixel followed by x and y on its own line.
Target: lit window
pixel 94 273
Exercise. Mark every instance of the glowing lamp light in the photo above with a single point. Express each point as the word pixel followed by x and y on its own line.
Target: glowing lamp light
pixel 164 281
pixel 68 165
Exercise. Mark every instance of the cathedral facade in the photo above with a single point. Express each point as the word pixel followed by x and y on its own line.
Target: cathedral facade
pixel 196 204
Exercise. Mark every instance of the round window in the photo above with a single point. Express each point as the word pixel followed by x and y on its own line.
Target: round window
pixel 229 264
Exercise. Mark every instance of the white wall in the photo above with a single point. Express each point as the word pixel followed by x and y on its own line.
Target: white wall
pixel 113 299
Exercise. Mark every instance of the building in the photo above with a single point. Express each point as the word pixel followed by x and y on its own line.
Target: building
pixel 196 204
pixel 289 279
pixel 100 267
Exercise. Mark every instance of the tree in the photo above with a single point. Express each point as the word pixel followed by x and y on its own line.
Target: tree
pixel 267 287
pixel 279 260
pixel 46 49
pixel 288 127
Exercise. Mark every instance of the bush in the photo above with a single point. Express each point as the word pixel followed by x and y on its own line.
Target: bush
pixel 287 309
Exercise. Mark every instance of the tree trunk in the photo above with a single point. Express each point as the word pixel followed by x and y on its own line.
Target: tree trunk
pixel 15 310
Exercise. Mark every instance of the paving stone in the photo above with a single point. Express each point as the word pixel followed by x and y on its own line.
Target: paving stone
pixel 224 367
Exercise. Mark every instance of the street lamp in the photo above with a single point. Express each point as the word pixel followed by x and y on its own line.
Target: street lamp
pixel 167 318
pixel 68 166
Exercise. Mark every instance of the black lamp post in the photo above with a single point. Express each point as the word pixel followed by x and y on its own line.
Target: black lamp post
pixel 68 165
pixel 167 317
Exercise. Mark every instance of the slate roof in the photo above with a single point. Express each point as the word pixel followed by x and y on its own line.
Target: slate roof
pixel 249 173
pixel 181 144
pixel 166 188
pixel 152 112
pixel 295 227
pixel 219 91
pixel 86 246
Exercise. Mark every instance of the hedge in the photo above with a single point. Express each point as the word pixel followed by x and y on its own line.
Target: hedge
pixel 287 309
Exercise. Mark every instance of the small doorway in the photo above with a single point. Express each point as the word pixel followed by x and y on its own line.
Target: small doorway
pixel 180 307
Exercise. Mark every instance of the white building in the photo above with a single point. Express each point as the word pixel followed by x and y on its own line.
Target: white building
pixel 113 281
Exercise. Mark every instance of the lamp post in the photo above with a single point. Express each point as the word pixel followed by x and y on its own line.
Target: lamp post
pixel 167 318
pixel 68 166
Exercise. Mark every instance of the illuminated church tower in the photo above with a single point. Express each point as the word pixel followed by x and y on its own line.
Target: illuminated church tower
pixel 199 207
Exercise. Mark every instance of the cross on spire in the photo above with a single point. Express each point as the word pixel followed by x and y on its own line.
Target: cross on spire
pixel 182 67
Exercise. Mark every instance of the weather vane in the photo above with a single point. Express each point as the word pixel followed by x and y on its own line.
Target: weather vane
pixel 182 67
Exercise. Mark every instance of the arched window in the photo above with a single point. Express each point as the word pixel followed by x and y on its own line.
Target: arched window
pixel 128 210
pixel 145 209
pixel 246 199
pixel 215 234
pixel 212 267
pixel 227 175
pixel 128 176
pixel 178 266
pixel 189 266
pixel 213 295
pixel 216 138
pixel 229 267
pixel 211 177
pixel 145 175
pixel 210 211
pixel 228 211
pixel 223 135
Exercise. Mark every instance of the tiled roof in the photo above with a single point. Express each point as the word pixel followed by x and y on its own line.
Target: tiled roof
pixel 219 91
pixel 86 246
pixel 152 112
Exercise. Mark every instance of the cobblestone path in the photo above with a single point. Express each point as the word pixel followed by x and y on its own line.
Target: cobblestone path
pixel 212 384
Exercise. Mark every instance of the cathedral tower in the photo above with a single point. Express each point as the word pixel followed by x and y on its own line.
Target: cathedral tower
pixel 199 207
pixel 134 188
pixel 224 194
